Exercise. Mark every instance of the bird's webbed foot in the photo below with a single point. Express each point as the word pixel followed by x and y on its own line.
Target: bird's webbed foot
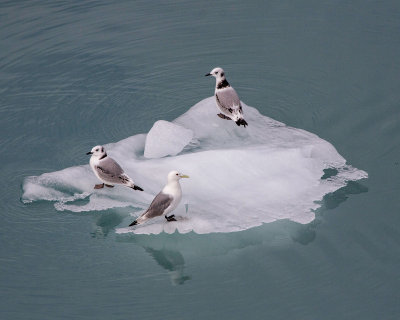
pixel 99 186
pixel 170 218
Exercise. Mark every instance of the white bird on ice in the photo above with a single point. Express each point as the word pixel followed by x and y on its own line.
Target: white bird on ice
pixel 108 170
pixel 166 201
pixel 227 99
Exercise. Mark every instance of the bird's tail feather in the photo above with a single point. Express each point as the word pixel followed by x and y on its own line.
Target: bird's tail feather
pixel 133 223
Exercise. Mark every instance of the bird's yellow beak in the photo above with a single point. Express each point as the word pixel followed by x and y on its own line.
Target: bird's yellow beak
pixel 184 176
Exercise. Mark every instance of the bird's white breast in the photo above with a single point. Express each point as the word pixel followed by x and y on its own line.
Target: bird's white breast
pixel 174 190
pixel 93 163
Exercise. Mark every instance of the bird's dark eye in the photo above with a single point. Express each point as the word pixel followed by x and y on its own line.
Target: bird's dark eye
pixel 222 74
pixel 97 149
pixel 177 174
pixel 102 149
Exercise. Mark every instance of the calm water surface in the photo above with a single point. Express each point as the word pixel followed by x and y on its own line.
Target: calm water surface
pixel 75 74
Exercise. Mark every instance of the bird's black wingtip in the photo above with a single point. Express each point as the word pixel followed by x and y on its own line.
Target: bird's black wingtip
pixel 137 188
pixel 134 223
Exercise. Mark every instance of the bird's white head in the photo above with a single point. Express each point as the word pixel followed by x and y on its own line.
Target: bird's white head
pixel 98 152
pixel 218 73
pixel 176 176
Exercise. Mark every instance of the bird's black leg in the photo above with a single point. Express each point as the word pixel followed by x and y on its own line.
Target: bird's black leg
pixel 170 218
pixel 99 186
pixel 109 185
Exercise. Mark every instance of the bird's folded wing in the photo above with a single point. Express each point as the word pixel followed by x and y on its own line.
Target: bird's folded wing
pixel 157 207
pixel 228 100
pixel 111 171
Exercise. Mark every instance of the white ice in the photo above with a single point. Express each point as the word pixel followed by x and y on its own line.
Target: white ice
pixel 239 177
pixel 166 139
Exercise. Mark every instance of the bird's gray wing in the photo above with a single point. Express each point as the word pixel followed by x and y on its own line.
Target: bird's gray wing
pixel 109 170
pixel 228 100
pixel 157 207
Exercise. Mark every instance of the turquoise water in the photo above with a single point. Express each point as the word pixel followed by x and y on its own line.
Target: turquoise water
pixel 76 74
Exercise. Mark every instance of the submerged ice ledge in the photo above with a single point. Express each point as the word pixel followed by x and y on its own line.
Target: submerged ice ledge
pixel 240 177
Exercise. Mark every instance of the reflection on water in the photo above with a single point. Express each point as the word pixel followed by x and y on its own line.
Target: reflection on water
pixel 305 234
pixel 172 261
pixel 107 222
pixel 166 250
pixel 168 258
pixel 334 199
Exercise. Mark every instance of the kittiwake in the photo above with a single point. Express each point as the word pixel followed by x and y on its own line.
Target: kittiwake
pixel 166 201
pixel 227 99
pixel 108 170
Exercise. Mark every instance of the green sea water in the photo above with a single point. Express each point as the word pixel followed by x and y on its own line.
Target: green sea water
pixel 80 73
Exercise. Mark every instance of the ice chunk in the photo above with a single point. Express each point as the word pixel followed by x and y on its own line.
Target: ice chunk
pixel 166 139
pixel 239 177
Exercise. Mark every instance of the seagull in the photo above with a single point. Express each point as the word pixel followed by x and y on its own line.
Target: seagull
pixel 227 99
pixel 108 170
pixel 166 201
